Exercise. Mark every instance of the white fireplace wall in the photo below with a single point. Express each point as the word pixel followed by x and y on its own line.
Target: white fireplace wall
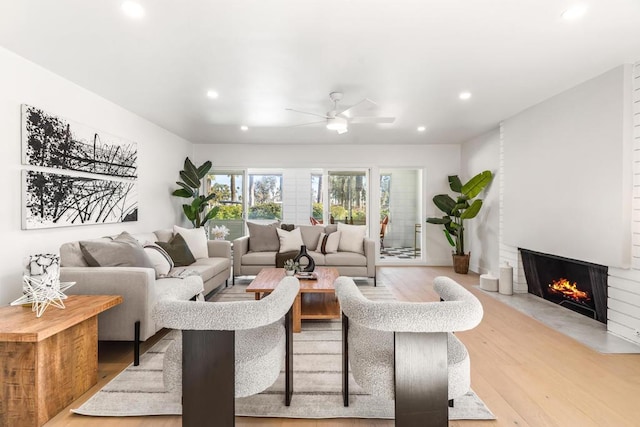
pixel 567 173
pixel 592 134
pixel 624 285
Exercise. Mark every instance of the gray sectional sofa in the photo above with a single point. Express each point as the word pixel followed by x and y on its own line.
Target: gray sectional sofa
pixel 249 259
pixel 140 287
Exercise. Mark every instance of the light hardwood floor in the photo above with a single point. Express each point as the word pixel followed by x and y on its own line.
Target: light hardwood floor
pixel 526 373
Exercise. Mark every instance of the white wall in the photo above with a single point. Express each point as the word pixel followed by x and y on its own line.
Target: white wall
pixel 160 157
pixel 567 174
pixel 438 161
pixel 481 238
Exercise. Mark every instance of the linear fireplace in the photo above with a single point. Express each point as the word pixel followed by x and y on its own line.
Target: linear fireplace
pixel 576 285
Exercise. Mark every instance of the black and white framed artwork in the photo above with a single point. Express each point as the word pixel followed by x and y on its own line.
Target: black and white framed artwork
pixel 58 200
pixel 52 141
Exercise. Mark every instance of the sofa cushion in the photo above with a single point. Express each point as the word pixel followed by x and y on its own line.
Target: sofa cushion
pixel 202 270
pixel 311 234
pixel 331 228
pixel 71 255
pixel 328 243
pixel 196 239
pixel 352 238
pixel 143 238
pixel 259 258
pixel 178 250
pixel 163 235
pixel 318 258
pixel 217 264
pixel 122 251
pixel 289 240
pixel 160 259
pixel 263 238
pixel 346 258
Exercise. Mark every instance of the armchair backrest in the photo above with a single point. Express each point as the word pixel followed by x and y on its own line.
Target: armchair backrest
pixel 459 311
pixel 228 316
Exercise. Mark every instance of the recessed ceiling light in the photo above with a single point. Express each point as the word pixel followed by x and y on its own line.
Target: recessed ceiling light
pixel 132 9
pixel 212 94
pixel 244 128
pixel 574 12
pixel 421 128
pixel 464 95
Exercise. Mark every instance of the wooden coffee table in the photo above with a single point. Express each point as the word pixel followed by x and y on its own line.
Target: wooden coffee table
pixel 316 299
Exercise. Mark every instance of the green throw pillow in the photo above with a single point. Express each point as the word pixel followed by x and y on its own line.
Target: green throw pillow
pixel 178 250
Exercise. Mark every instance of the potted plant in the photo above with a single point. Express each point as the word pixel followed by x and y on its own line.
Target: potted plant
pixel 190 188
pixel 465 206
pixel 290 267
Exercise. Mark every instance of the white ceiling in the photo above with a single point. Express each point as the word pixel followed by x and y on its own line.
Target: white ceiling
pixel 411 56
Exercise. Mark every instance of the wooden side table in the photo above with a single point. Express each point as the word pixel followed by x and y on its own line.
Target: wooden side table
pixel 48 362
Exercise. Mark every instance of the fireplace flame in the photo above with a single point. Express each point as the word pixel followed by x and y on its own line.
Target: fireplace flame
pixel 568 290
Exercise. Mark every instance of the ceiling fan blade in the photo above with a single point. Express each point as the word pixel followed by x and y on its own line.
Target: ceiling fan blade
pixel 363 106
pixel 306 112
pixel 372 119
pixel 305 124
pixel 341 131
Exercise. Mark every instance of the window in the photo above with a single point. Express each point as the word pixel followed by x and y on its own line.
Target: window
pixel 265 196
pixel 317 203
pixel 348 196
pixel 385 193
pixel 228 188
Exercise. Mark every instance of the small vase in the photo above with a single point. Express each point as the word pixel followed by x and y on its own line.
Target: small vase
pixel 303 254
pixel 289 272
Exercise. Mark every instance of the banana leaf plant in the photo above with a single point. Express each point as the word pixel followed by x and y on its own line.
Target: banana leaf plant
pixel 463 207
pixel 190 188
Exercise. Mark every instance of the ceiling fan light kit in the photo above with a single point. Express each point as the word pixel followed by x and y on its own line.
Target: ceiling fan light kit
pixel 339 120
pixel 337 123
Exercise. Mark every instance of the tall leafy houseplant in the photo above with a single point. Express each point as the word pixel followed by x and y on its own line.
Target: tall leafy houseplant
pixel 190 188
pixel 465 206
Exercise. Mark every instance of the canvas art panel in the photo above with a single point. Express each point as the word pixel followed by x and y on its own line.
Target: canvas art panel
pixel 57 200
pixel 52 141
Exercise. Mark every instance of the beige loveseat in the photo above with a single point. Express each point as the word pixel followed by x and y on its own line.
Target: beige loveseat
pixel 249 262
pixel 139 287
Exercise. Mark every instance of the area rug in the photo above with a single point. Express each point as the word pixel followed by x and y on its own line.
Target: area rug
pixel 139 391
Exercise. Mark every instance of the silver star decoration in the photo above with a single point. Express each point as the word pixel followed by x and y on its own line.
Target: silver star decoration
pixel 42 291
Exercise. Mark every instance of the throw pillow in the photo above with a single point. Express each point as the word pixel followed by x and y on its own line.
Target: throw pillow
pixel 263 238
pixel 290 240
pixel 123 251
pixel 329 243
pixel 288 227
pixel 159 258
pixel 352 238
pixel 178 250
pixel 196 239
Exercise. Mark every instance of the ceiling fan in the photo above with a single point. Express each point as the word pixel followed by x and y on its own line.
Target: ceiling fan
pixel 340 120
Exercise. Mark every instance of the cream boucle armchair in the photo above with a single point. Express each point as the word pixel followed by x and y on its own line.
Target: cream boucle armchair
pixel 406 351
pixel 227 350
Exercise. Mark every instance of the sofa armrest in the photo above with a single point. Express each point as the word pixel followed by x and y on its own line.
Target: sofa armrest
pixel 219 248
pixel 135 285
pixel 240 247
pixel 370 254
